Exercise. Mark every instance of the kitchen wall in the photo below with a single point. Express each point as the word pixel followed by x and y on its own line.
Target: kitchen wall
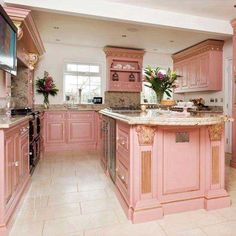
pixel 56 55
pixel 207 96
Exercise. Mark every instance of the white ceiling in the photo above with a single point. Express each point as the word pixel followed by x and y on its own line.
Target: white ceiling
pixel 82 31
pixel 219 9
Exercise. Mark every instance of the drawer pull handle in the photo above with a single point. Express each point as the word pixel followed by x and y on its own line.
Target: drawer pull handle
pixel 122 179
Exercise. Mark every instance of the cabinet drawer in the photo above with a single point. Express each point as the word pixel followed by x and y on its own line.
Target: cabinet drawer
pixel 56 115
pixel 124 158
pixel 81 115
pixel 122 179
pixel 123 141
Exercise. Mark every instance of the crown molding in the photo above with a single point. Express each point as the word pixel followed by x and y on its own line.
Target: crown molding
pixel 204 46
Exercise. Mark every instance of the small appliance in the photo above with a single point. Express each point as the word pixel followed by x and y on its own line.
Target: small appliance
pixel 97 100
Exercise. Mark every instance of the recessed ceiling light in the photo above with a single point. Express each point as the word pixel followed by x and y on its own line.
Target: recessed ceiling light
pixel 56 27
pixel 58 40
pixel 132 29
pixel 123 35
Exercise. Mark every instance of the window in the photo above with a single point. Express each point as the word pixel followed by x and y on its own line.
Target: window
pixel 148 95
pixel 82 82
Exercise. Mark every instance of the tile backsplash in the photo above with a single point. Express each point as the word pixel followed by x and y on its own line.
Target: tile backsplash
pixel 122 99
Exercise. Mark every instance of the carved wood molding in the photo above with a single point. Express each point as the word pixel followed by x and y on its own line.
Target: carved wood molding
pixel 233 23
pixel 205 46
pixel 145 134
pixel 32 60
pixel 23 18
pixel 123 52
pixel 19 29
pixel 215 131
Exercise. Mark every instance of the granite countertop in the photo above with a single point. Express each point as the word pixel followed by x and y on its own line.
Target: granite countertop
pixel 161 117
pixel 6 122
pixel 82 107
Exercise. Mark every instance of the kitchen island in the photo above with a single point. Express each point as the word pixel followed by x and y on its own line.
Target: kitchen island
pixel 168 162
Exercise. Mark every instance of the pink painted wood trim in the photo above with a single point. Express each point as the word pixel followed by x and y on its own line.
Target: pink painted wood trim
pixel 193 179
pixel 18 176
pixel 24 16
pixel 65 130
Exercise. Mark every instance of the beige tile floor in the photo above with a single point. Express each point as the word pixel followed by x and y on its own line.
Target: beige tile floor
pixel 71 196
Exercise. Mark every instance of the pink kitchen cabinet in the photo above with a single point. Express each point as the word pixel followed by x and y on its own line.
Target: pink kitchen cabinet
pixel 124 69
pixel 233 23
pixel 154 180
pixel 14 169
pixel 200 67
pixel 234 55
pixel 70 130
pixel 81 127
pixel 56 132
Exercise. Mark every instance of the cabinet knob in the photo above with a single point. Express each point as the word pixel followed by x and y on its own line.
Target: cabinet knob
pixel 16 163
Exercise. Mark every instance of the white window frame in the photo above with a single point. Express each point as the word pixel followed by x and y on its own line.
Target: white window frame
pixel 82 62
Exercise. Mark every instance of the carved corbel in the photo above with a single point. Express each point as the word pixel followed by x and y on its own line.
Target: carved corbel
pixel 215 131
pixel 32 60
pixel 145 134
pixel 19 30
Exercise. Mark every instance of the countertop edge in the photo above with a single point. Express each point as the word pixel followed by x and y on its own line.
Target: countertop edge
pixel 179 121
pixel 14 122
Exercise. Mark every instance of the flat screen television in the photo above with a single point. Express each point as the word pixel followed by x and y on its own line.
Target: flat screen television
pixel 8 34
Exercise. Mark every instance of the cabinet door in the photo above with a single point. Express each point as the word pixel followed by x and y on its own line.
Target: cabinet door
pixel 185 74
pixel 234 55
pixel 16 162
pixel 194 72
pixel 24 155
pixel 80 130
pixel 9 168
pixel 55 132
pixel 204 70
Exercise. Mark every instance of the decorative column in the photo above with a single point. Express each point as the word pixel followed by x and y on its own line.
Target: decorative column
pixel 145 203
pixel 216 196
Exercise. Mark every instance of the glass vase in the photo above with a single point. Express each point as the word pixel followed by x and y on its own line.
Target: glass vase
pixel 159 95
pixel 46 101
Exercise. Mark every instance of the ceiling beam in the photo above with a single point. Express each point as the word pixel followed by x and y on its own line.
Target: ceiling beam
pixel 127 13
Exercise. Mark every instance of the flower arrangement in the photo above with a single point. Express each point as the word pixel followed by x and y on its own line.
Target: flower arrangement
pixel 46 86
pixel 160 81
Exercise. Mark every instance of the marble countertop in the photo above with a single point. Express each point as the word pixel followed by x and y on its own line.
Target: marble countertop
pixel 84 107
pixel 161 117
pixel 6 122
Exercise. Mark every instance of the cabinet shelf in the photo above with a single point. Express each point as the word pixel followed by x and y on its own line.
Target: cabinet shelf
pixel 123 70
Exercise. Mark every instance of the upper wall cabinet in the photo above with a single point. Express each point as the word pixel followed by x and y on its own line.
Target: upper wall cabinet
pixel 200 67
pixel 233 23
pixel 124 69
pixel 29 43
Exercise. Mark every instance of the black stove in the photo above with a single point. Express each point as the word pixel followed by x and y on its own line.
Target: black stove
pixel 34 133
pixel 21 111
